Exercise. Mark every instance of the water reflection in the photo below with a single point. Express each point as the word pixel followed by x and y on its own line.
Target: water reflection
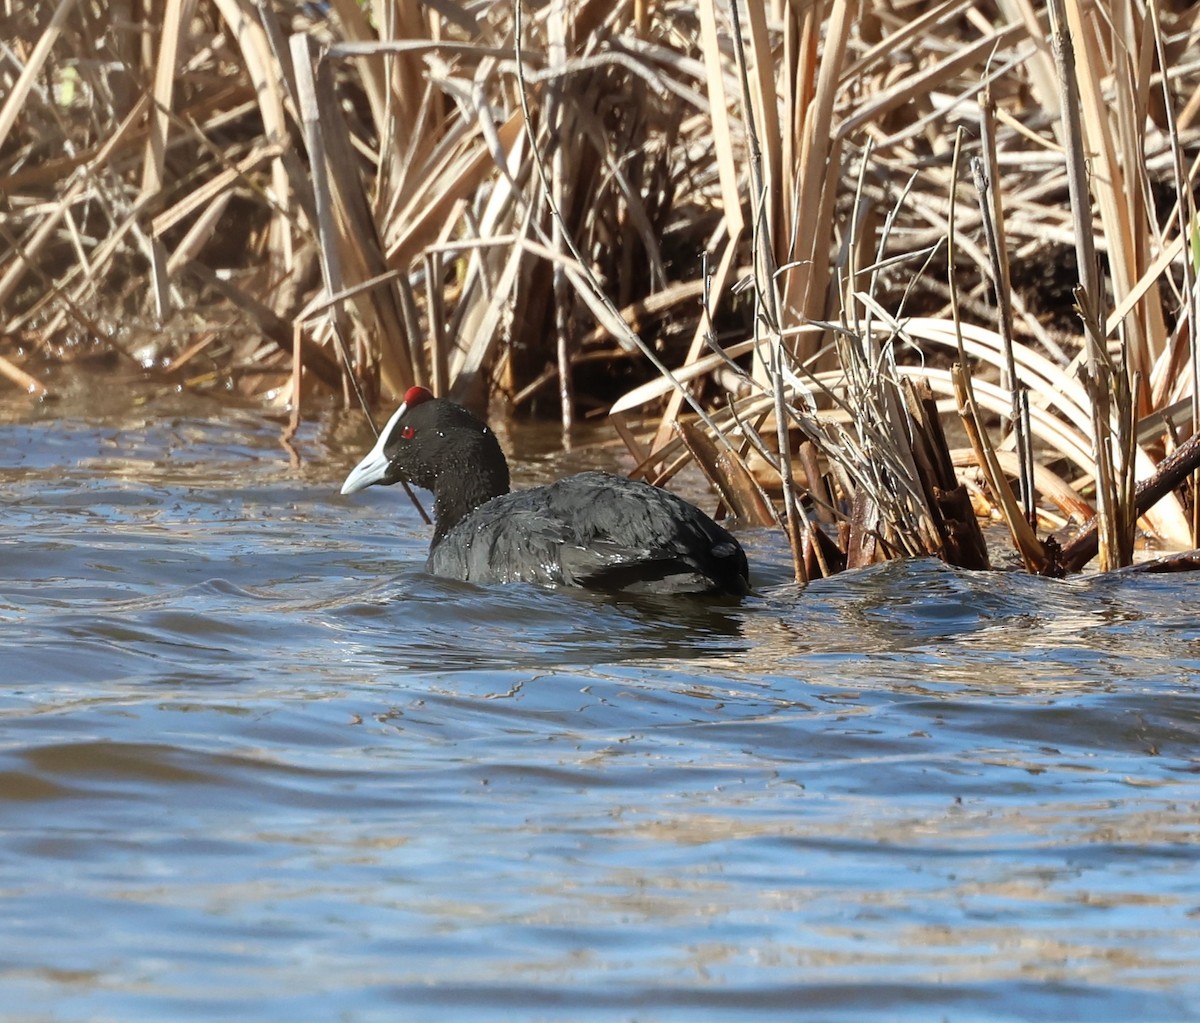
pixel 419 622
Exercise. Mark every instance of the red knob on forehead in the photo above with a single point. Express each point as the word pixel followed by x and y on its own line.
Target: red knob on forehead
pixel 416 395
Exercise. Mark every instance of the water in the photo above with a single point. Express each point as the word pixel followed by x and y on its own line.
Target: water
pixel 255 765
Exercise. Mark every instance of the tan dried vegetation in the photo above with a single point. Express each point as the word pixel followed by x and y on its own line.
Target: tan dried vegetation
pixel 791 241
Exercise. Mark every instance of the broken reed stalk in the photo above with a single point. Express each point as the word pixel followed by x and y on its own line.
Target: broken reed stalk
pixel 26 382
pixel 961 540
pixel 1185 215
pixel 1032 551
pixel 767 305
pixel 1172 471
pixel 986 171
pixel 1114 529
pixel 302 51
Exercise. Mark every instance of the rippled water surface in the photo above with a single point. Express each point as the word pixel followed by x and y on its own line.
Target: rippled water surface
pixel 255 765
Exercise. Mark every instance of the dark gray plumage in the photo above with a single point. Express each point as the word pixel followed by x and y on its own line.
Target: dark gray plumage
pixel 593 530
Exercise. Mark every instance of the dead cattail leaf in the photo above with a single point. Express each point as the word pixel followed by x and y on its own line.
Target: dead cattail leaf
pixel 728 473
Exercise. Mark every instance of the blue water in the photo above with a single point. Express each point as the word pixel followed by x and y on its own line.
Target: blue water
pixel 255 765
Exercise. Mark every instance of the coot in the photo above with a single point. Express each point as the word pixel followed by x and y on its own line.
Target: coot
pixel 593 530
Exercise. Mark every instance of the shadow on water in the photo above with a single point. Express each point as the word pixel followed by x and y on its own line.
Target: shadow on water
pixel 420 622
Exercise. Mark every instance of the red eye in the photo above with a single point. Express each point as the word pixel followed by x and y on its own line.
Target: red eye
pixel 408 433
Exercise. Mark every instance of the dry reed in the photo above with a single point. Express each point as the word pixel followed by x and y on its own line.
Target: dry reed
pixel 734 226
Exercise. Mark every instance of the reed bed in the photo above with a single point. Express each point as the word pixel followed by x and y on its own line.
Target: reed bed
pixel 799 245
